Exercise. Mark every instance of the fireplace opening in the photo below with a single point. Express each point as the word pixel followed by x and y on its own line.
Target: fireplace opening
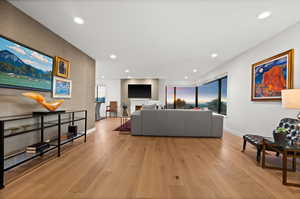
pixel 138 107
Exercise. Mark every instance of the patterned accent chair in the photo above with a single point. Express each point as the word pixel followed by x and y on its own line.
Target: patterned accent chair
pixel 291 125
pixel 288 123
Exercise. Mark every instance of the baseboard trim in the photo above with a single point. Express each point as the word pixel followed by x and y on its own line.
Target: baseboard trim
pixel 234 132
pixel 92 130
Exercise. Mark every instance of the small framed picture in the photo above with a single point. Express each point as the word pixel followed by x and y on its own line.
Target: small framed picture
pixel 61 67
pixel 62 88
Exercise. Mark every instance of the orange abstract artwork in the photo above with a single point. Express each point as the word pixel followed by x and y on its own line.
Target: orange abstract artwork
pixel 271 76
pixel 51 106
pixel 273 81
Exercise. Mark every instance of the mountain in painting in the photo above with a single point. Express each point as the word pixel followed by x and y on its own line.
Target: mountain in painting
pixel 10 63
pixel 8 57
pixel 274 79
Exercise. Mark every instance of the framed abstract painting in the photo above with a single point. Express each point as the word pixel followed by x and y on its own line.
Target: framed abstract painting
pixel 272 75
pixel 62 88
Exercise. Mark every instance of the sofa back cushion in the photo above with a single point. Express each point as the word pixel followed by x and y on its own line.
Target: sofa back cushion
pixel 176 122
pixel 198 123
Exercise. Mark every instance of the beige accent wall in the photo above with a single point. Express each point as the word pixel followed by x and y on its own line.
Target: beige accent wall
pixel 22 28
pixel 124 89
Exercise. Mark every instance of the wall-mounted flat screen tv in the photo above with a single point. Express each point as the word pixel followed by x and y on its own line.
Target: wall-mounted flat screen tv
pixel 139 91
pixel 23 67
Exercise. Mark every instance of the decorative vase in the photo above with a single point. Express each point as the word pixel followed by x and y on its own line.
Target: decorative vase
pixel 279 137
pixel 125 112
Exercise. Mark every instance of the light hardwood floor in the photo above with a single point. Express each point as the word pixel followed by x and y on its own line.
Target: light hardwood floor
pixel 113 165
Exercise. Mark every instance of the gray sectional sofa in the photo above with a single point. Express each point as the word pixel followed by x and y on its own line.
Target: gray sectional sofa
pixel 170 122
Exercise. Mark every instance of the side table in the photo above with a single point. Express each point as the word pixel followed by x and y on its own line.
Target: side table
pixel 287 149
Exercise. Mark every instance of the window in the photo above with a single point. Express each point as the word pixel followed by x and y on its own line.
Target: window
pixel 223 107
pixel 185 97
pixel 213 96
pixel 170 97
pixel 208 96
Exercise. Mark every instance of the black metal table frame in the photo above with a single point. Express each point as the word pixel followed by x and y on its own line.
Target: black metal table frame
pixel 42 127
pixel 286 153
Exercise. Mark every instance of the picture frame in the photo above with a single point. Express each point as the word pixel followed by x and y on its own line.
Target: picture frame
pixel 62 88
pixel 23 67
pixel 272 75
pixel 61 67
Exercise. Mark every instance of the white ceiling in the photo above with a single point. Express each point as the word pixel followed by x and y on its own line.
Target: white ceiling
pixel 162 38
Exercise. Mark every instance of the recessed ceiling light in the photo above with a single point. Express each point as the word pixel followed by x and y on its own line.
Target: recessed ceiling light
pixel 264 15
pixel 78 20
pixel 127 71
pixel 129 77
pixel 195 70
pixel 186 77
pixel 214 55
pixel 113 56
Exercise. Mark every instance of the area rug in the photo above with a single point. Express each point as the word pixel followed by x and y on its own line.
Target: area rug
pixel 125 127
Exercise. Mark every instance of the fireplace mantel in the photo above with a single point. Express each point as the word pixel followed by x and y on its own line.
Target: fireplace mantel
pixel 140 102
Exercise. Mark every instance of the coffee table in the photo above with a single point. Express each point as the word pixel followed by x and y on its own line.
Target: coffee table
pixel 287 149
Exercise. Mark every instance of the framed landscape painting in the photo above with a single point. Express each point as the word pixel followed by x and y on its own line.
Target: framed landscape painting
pixel 62 88
pixel 23 67
pixel 272 75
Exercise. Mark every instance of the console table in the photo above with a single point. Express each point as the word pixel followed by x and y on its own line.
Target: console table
pixel 287 149
pixel 63 118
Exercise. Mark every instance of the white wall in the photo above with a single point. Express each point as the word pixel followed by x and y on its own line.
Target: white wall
pixel 162 91
pixel 112 93
pixel 245 116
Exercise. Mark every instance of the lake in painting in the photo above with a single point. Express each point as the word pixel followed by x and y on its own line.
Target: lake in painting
pixel 62 88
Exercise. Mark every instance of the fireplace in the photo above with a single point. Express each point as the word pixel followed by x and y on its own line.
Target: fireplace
pixel 138 107
pixel 136 104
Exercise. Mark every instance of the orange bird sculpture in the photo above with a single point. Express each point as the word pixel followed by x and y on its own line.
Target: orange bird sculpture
pixel 51 106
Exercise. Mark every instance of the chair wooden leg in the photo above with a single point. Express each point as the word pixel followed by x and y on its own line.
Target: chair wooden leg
pixel 263 162
pixel 294 162
pixel 244 145
pixel 258 155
